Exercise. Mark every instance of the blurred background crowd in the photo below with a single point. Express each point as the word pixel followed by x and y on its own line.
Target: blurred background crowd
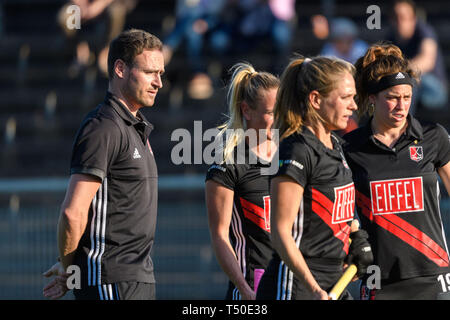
pixel 52 75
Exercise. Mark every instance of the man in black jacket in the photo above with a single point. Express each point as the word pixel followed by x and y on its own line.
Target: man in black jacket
pixel 108 217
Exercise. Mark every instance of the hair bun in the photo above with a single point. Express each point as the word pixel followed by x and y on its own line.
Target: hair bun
pixel 380 50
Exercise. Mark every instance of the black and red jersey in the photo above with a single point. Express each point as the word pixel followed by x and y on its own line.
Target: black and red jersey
pixel 322 226
pixel 250 222
pixel 398 196
pixel 327 206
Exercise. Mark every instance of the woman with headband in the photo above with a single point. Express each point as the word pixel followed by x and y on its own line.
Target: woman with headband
pixel 313 193
pixel 396 161
pixel 237 193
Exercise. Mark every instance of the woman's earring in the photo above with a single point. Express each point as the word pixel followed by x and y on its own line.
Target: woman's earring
pixel 371 108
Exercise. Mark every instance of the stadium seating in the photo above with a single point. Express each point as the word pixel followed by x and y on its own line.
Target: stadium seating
pixel 41 108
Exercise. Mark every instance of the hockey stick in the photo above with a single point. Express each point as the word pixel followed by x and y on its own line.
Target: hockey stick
pixel 348 275
pixel 343 282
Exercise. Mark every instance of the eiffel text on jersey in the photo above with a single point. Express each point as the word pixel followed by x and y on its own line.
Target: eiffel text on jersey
pixel 397 195
pixel 344 203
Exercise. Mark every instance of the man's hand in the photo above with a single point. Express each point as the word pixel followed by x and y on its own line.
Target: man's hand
pixel 57 287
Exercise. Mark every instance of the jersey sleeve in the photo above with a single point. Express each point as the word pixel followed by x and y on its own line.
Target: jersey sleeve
pixel 223 174
pixel 97 143
pixel 426 31
pixel 443 140
pixel 294 161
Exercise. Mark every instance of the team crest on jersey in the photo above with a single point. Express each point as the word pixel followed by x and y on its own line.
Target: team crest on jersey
pixel 416 153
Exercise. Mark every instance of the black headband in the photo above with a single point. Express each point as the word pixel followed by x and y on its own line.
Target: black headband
pixel 390 81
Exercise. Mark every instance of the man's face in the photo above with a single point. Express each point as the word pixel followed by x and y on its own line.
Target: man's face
pixel 143 79
pixel 405 20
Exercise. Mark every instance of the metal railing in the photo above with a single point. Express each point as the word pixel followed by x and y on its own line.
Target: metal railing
pixel 185 265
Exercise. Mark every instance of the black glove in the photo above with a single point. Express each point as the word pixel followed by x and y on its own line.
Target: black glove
pixel 360 252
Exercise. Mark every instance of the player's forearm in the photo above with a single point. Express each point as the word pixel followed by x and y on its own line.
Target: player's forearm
pixel 71 226
pixel 426 59
pixel 229 264
pixel 423 63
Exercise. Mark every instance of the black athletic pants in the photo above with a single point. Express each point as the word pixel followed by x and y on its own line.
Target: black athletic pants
pixel 420 288
pixel 279 283
pixel 117 291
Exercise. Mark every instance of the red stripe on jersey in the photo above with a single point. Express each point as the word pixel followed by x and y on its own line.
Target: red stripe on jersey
pixel 364 203
pixel 373 293
pixel 323 207
pixel 405 231
pixel 259 216
pixel 322 200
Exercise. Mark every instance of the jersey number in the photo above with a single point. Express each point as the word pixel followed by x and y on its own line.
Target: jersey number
pixel 444 281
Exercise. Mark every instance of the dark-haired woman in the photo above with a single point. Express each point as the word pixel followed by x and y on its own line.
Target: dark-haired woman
pixel 396 161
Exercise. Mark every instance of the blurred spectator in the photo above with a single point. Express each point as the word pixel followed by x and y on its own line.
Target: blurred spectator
pixel 319 22
pixel 246 23
pixel 419 43
pixel 194 18
pixel 344 42
pixel 100 19
pixel 283 14
pixel 320 26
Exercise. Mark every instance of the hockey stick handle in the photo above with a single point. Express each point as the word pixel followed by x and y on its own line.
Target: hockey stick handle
pixel 343 282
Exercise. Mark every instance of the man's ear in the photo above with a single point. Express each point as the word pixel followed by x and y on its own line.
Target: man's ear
pixel 315 99
pixel 120 68
pixel 372 98
pixel 245 109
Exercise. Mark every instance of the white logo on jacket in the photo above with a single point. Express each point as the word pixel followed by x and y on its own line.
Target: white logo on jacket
pixel 136 154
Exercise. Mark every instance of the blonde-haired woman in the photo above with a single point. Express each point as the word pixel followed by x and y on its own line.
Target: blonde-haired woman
pixel 312 194
pixel 396 161
pixel 237 194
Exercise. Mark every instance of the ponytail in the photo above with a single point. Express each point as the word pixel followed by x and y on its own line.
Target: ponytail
pixel 246 85
pixel 293 108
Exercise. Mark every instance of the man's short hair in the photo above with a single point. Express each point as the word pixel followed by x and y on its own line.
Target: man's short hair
pixel 130 43
pixel 411 3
